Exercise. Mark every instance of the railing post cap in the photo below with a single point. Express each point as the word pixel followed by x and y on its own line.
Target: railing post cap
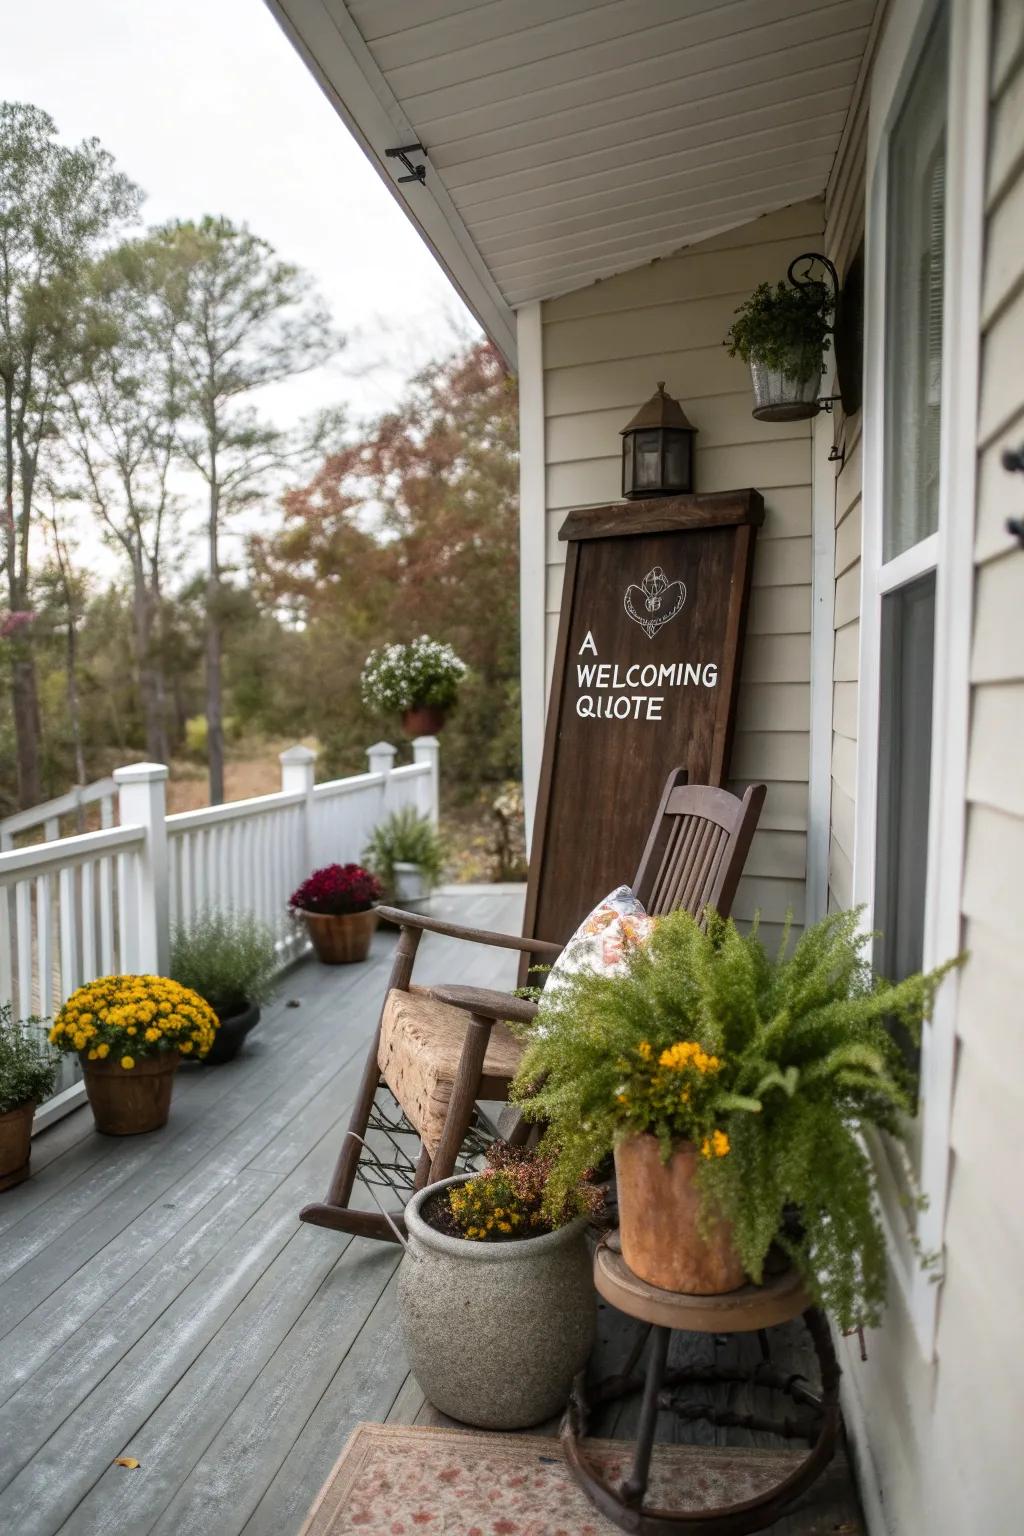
pixel 381 747
pixel 426 741
pixel 140 773
pixel 297 754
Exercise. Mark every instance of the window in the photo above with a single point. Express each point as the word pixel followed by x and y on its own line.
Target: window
pixel 912 394
pixel 926 156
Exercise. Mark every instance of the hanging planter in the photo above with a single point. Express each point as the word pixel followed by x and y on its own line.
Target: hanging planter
pixel 420 682
pixel 784 334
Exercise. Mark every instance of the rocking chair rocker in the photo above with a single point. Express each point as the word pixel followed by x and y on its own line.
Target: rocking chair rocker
pixel 438 1050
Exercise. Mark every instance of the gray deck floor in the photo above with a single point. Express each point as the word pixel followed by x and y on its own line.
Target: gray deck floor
pixel 160 1299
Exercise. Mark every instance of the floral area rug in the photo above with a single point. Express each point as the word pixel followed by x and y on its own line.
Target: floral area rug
pixel 402 1480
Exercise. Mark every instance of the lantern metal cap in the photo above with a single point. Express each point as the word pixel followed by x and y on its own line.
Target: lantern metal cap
pixel 661 410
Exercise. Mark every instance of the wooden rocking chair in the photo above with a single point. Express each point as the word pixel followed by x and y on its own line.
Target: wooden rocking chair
pixel 438 1050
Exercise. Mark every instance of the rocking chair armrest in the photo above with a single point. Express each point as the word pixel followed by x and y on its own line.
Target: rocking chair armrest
pixel 486 1003
pixel 471 935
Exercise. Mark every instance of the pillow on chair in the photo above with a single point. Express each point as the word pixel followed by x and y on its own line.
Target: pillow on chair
pixel 601 942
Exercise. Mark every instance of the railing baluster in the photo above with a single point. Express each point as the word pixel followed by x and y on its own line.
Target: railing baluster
pixel 106 916
pixel 44 946
pixel 127 915
pixel 88 881
pixel 23 919
pixel 6 953
pixel 70 968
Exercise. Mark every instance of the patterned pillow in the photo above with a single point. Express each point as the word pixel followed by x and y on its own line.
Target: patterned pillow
pixel 602 941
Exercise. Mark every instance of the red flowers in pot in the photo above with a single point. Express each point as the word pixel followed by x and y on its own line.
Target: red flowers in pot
pixel 338 905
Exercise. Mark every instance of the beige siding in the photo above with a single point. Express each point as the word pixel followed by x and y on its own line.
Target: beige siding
pixel 604 349
pixel 938 1436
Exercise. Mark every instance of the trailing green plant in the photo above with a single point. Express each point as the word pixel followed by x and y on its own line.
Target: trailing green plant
pixel 28 1068
pixel 785 328
pixel 423 674
pixel 510 1199
pixel 773 1066
pixel 229 958
pixel 405 837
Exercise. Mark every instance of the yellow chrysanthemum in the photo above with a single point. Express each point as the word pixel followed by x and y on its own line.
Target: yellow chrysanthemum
pixel 127 1062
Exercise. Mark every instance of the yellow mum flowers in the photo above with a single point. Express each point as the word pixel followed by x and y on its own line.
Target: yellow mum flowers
pixel 134 1017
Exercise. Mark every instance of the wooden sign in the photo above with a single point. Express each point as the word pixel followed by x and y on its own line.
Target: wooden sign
pixel 645 679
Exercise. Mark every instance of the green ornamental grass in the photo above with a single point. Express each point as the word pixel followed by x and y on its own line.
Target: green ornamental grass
pixel 804 1058
pixel 229 958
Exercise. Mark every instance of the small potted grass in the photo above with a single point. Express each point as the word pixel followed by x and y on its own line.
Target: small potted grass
pixel 494 1264
pixel 230 959
pixel 407 854
pixel 338 904
pixel 28 1071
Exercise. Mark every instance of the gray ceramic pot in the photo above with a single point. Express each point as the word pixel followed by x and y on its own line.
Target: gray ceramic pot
pixel 495 1332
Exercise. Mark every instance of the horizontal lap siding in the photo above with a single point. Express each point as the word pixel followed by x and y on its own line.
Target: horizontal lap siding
pixel 940 1435
pixel 980 1484
pixel 605 347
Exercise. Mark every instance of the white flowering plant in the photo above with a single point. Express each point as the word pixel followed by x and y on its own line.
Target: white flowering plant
pixel 425 674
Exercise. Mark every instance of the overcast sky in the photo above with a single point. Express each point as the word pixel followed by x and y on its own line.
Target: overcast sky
pixel 207 106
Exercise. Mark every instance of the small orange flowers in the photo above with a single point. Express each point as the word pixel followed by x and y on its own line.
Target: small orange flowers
pixel 715 1145
pixel 687 1053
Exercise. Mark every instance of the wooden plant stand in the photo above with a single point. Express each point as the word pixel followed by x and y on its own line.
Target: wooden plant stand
pixel 750 1309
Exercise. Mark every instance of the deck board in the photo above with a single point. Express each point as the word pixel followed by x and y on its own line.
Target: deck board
pixel 160 1299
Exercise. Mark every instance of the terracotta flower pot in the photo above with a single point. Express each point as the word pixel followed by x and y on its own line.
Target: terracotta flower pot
pixel 423 720
pixel 129 1101
pixel 659 1215
pixel 15 1144
pixel 341 939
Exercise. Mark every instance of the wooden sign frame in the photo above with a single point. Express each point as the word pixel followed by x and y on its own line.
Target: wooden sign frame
pixel 715 533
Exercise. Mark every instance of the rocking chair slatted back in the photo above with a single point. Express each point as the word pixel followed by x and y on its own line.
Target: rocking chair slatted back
pixel 697 848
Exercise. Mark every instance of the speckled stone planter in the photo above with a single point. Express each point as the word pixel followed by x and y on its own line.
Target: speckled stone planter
pixel 495 1332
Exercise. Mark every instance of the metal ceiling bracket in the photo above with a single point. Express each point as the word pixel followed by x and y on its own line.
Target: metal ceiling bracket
pixel 416 172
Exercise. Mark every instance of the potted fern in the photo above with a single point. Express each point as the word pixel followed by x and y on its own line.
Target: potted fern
pixel 27 1075
pixel 229 958
pixel 783 333
pixel 406 854
pixel 734 1088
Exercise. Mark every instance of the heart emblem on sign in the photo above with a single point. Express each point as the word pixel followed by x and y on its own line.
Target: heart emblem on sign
pixel 655 602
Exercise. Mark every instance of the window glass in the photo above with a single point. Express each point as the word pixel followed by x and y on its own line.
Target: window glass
pixel 915 223
pixel 905 751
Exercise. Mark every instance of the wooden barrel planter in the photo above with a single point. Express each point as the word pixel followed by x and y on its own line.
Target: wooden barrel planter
pixel 128 1101
pixel 341 938
pixel 659 1216
pixel 15 1144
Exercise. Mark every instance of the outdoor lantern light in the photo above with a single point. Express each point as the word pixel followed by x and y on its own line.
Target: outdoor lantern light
pixel 657 450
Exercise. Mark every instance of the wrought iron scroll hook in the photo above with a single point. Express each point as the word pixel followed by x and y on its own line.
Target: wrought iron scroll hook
pixel 803 277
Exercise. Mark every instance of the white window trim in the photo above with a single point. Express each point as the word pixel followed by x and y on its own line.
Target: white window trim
pixel 950 552
pixel 532 549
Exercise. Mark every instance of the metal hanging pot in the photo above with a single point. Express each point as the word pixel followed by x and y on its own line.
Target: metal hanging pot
pixel 782 396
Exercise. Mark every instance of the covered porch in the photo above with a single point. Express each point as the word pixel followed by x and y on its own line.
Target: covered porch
pixel 161 1300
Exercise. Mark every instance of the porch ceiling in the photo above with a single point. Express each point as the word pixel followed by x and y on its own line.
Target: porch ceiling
pixel 568 140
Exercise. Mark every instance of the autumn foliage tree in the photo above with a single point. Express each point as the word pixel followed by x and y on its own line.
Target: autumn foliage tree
pixel 412 528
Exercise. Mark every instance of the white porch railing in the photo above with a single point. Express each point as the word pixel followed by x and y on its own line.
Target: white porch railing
pixel 102 792
pixel 80 907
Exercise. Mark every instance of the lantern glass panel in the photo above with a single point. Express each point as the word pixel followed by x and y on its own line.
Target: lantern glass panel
pixel 627 463
pixel 677 461
pixel 648 460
